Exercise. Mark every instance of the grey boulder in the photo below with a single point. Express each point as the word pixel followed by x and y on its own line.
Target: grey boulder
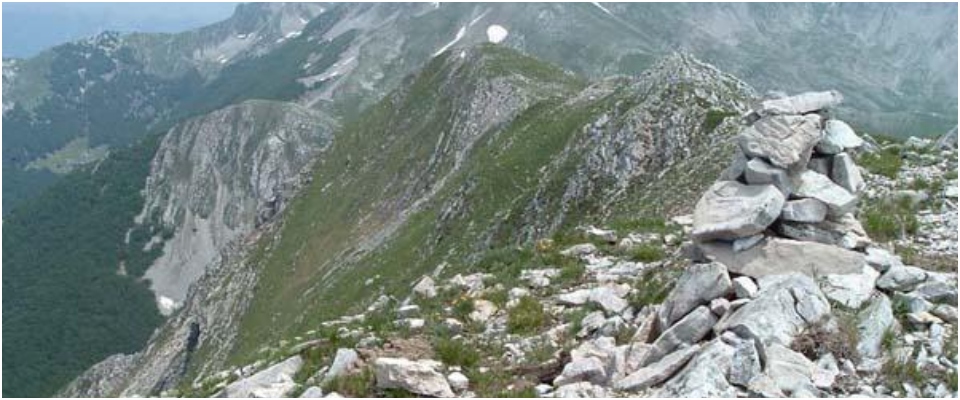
pixel 689 330
pixel 704 376
pixel 787 141
pixel 902 278
pixel 873 322
pixel 729 210
pixel 275 381
pixel 851 290
pixel 784 307
pixel 776 256
pixel 818 186
pixel 659 371
pixel 804 210
pixel 846 173
pixel 801 103
pixel 699 284
pixel 758 172
pixel 418 377
pixel 837 137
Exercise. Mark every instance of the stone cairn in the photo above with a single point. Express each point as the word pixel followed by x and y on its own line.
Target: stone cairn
pixel 792 178
pixel 777 246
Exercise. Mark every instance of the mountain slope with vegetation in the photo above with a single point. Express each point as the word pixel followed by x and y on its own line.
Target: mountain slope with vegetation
pixel 485 151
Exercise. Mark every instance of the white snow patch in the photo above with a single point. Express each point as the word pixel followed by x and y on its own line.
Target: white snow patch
pixel 601 7
pixel 496 33
pixel 436 4
pixel 166 305
pixel 463 53
pixel 460 33
pixel 292 34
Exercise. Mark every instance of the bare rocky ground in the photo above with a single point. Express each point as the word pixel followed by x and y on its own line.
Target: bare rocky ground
pixel 801 274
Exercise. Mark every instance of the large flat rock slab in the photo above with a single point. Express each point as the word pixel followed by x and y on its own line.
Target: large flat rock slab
pixel 786 141
pixel 776 256
pixel 730 210
pixel 801 103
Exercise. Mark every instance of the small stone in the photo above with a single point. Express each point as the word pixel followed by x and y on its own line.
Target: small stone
pixel 312 392
pixel 745 287
pixel 458 381
pixel 587 369
pixel 482 310
pixel 408 310
pixel 418 377
pixel 881 259
pixel 659 371
pixel 343 362
pixel 804 210
pixel 758 172
pixel 945 312
pixel 923 318
pixel 688 330
pixel 838 137
pixel 605 235
pixel 846 173
pixel 698 284
pixel 720 306
pixel 873 322
pixel 542 389
pixel 839 201
pixel 453 325
pixel 937 292
pixel 590 323
pixel 851 290
pixel 902 278
pixel 426 288
pixel 746 363
pixel 579 250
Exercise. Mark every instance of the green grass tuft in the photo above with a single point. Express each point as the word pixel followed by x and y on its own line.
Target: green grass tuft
pixel 885 162
pixel 527 317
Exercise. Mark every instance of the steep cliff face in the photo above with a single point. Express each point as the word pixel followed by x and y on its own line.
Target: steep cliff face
pixel 216 177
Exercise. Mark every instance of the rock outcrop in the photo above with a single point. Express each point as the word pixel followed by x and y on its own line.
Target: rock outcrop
pixel 217 177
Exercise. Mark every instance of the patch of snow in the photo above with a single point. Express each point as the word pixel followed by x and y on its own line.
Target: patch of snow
pixel 496 33
pixel 460 33
pixel 436 4
pixel 463 53
pixel 241 36
pixel 166 305
pixel 292 34
pixel 601 7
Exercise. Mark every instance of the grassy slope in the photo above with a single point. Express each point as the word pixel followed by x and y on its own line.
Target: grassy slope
pixel 376 168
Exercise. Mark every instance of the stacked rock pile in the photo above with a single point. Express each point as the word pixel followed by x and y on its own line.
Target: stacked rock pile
pixel 786 203
pixel 783 247
pixel 793 178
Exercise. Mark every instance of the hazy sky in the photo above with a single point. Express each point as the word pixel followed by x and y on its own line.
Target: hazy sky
pixel 31 27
